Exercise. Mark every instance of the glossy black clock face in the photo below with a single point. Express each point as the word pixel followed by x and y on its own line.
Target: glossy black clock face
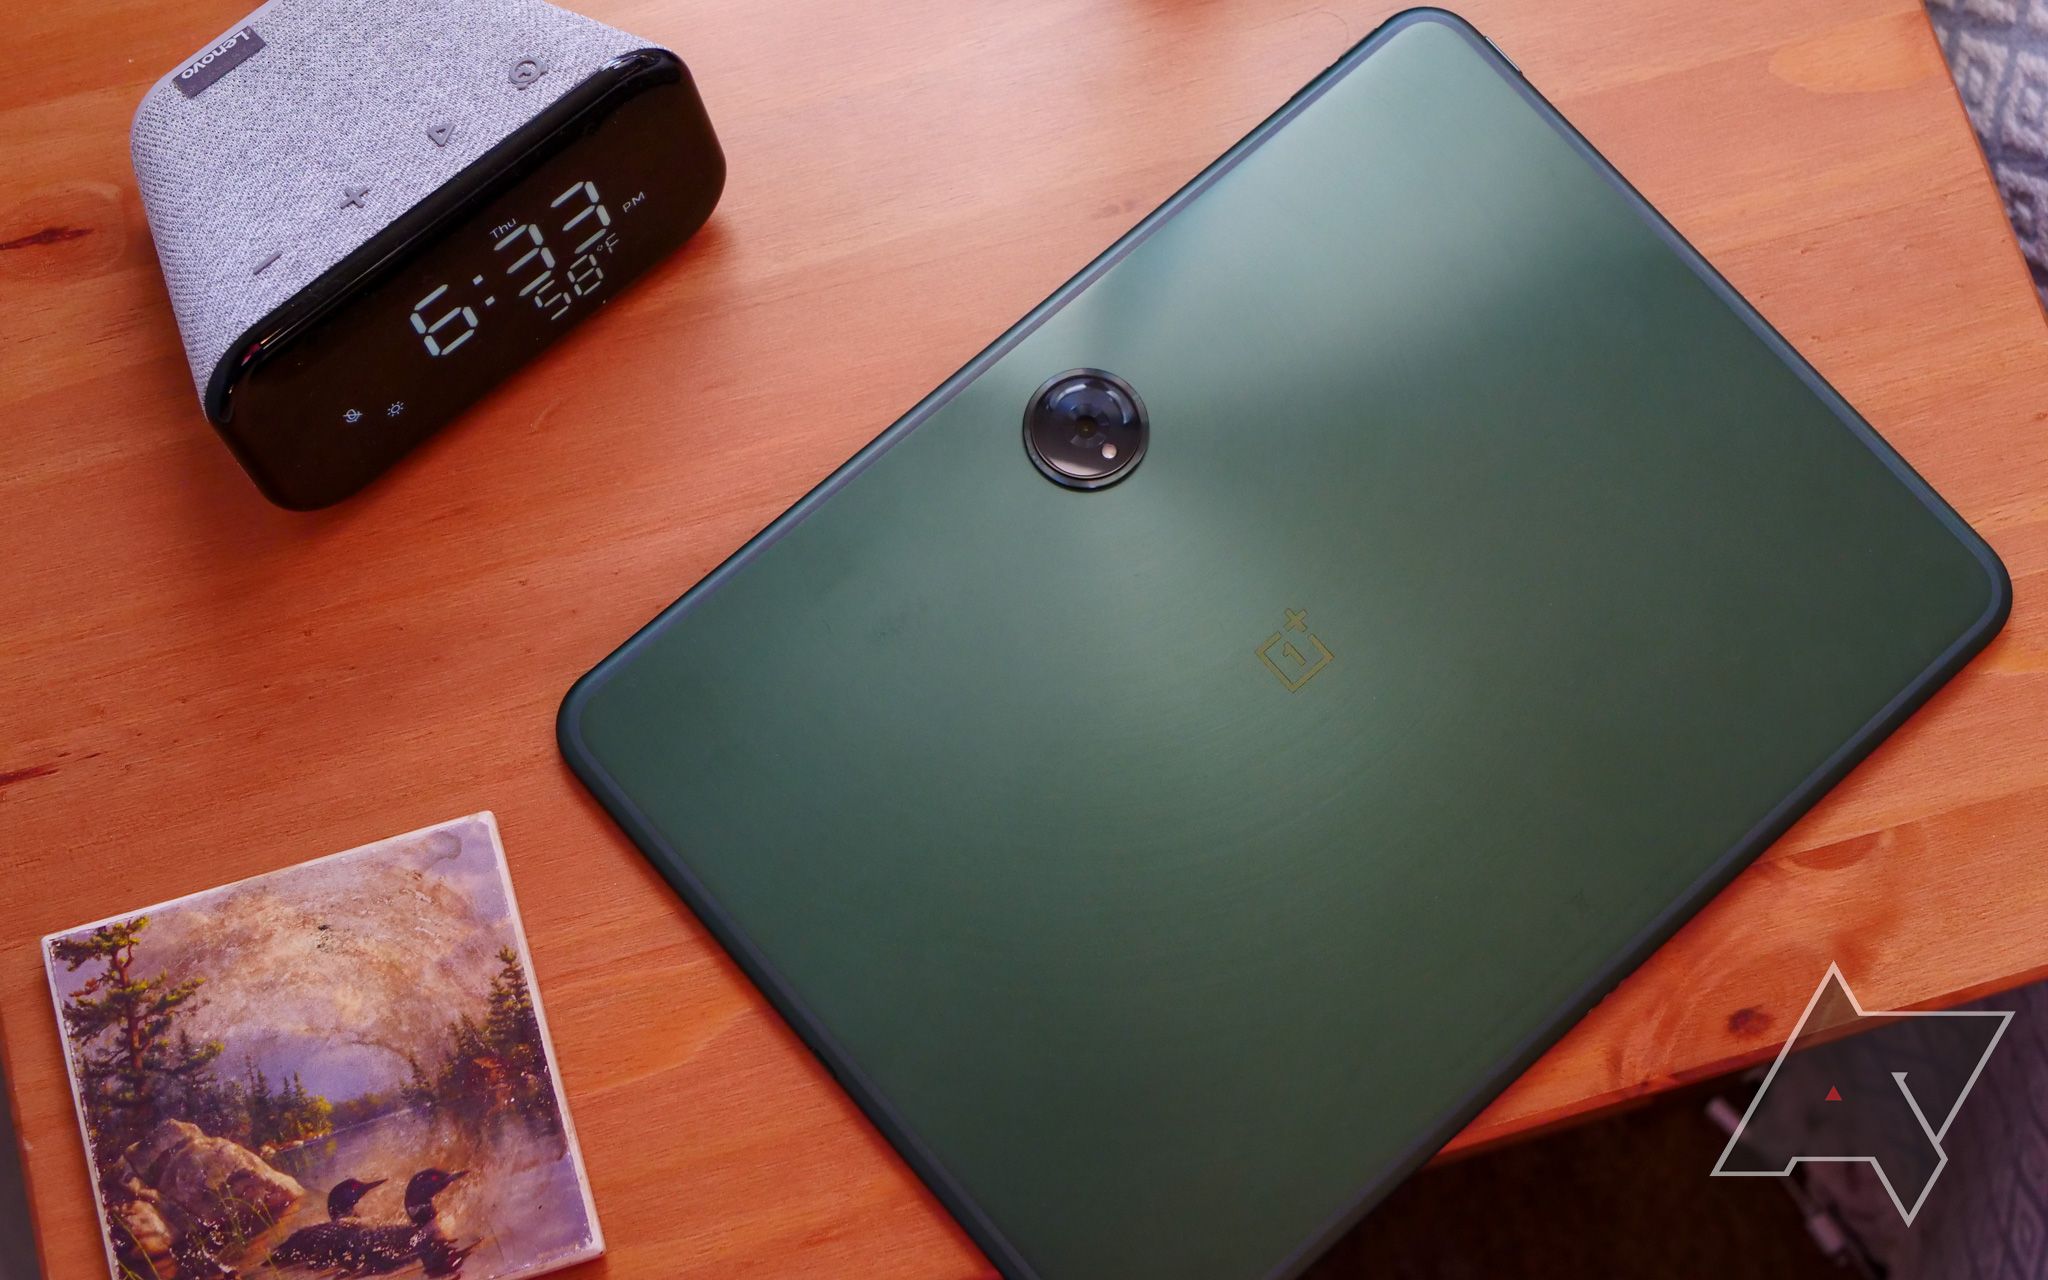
pixel 470 285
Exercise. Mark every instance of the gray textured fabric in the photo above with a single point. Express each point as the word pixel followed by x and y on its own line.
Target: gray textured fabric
pixel 290 160
pixel 1998 52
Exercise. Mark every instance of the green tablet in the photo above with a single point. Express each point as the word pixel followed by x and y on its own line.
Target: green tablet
pixel 1181 771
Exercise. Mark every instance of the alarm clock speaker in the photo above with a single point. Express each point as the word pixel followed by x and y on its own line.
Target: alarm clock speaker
pixel 369 212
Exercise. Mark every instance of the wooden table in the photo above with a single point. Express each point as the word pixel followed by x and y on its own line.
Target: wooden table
pixel 195 687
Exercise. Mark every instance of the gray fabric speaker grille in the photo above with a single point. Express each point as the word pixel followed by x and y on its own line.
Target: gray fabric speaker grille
pixel 258 167
pixel 1997 50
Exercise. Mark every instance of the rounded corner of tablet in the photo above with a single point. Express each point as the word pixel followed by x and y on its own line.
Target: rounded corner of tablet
pixel 570 738
pixel 1998 608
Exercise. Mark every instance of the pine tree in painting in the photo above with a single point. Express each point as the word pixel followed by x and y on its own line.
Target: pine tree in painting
pixel 513 1030
pixel 129 1064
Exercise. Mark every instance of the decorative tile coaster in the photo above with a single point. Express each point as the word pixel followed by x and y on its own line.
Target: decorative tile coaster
pixel 337 1069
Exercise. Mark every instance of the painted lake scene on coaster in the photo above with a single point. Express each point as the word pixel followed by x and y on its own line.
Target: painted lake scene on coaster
pixel 341 1068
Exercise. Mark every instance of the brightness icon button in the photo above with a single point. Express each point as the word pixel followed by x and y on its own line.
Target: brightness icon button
pixel 395 408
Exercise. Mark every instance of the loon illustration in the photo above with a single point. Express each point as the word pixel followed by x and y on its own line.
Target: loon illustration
pixel 346 1195
pixel 351 1247
pixel 310 1244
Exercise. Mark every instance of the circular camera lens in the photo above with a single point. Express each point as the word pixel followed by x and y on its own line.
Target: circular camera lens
pixel 1085 429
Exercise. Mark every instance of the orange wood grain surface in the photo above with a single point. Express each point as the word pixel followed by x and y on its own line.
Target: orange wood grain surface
pixel 196 687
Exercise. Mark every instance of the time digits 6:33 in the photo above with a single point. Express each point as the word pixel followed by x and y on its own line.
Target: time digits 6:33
pixel 585 220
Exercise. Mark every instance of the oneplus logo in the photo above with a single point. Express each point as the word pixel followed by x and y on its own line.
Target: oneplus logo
pixel 1292 653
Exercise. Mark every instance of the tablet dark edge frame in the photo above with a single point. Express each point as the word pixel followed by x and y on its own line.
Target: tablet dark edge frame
pixel 925 1162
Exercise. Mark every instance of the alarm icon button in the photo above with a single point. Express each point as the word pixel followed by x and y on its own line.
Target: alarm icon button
pixel 526 72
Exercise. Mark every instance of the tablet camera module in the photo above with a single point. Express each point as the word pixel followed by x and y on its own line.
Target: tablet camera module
pixel 1086 429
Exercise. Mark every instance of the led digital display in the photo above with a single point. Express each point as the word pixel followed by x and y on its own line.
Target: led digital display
pixel 449 316
pixel 321 406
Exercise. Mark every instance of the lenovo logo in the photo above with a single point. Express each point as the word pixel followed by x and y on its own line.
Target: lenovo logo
pixel 218 61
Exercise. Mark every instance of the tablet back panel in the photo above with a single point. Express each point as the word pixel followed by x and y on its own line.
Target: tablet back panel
pixel 1167 869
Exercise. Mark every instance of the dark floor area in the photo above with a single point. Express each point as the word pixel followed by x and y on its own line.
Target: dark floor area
pixel 1617 1199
